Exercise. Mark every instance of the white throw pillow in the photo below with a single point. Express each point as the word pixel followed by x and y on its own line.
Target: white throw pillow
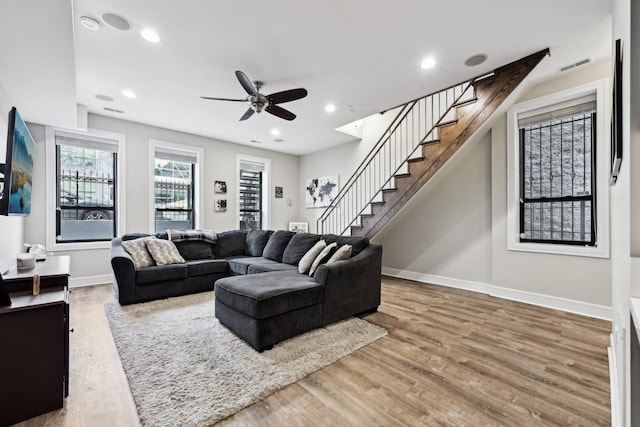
pixel 307 259
pixel 344 252
pixel 164 252
pixel 138 251
pixel 322 255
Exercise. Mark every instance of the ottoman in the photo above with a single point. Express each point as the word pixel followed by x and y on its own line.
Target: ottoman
pixel 266 308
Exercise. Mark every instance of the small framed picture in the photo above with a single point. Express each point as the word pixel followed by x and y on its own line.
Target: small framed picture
pixel 299 227
pixel 279 192
pixel 220 187
pixel 220 205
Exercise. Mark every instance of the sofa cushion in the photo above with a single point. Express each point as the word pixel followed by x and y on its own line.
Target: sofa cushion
pixel 161 273
pixel 241 265
pixel 357 243
pixel 229 243
pixel 323 257
pixel 195 249
pixel 207 266
pixel 305 263
pixel 276 245
pixel 299 245
pixel 269 294
pixel 275 266
pixel 164 252
pixel 138 251
pixel 133 236
pixel 256 241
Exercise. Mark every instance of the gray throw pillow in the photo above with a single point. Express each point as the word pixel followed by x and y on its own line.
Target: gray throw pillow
pixel 344 252
pixel 322 256
pixel 138 251
pixel 307 259
pixel 164 252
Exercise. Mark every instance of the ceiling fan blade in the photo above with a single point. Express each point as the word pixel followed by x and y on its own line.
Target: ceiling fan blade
pixel 246 83
pixel 286 96
pixel 247 114
pixel 223 99
pixel 280 112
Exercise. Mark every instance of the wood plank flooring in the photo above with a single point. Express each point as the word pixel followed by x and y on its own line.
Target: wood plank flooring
pixel 452 357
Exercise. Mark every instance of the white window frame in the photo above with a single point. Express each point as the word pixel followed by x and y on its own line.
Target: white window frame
pixel 601 248
pixel 266 184
pixel 51 188
pixel 197 179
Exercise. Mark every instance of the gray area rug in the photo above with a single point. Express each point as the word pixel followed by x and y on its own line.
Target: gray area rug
pixel 185 368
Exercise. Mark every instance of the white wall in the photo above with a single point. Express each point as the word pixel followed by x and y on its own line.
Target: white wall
pixel 341 160
pixel 219 164
pixel 11 228
pixel 448 232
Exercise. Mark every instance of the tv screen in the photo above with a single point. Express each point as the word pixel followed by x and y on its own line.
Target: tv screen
pixel 18 168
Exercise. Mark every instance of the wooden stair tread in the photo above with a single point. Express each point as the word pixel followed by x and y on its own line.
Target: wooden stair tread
pixel 447 123
pixel 402 175
pixel 465 103
pixel 416 159
pixel 430 142
pixel 389 189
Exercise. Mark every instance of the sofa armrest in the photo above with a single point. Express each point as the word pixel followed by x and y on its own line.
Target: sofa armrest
pixel 124 271
pixel 351 286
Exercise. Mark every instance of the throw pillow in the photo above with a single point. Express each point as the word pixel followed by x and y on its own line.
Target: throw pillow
pixel 307 259
pixel 164 252
pixel 344 252
pixel 322 256
pixel 208 236
pixel 138 251
pixel 299 245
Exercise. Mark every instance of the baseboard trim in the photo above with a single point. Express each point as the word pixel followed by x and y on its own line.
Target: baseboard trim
pixel 75 282
pixel 563 304
pixel 613 384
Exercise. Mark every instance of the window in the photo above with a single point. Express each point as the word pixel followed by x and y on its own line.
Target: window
pixel 253 174
pixel 175 186
pixel 558 193
pixel 83 168
pixel 557 175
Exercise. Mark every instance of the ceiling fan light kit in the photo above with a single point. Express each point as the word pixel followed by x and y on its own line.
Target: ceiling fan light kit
pixel 259 102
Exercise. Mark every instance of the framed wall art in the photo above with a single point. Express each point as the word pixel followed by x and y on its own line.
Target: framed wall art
pixel 320 192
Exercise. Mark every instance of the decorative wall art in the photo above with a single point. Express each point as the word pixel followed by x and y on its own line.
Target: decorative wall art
pixel 279 192
pixel 299 227
pixel 320 192
pixel 220 205
pixel 221 187
pixel 616 115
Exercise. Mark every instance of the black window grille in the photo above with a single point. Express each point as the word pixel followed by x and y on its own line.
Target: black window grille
pixel 174 191
pixel 557 177
pixel 250 199
pixel 85 194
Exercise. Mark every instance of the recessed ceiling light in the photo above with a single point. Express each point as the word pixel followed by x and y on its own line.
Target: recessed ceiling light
pixel 89 23
pixel 129 93
pixel 329 108
pixel 149 35
pixel 275 132
pixel 427 63
pixel 105 98
pixel 475 60
pixel 116 21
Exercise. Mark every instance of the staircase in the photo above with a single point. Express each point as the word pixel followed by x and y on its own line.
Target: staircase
pixel 423 136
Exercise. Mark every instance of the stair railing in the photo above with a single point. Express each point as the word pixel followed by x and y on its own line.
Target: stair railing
pixel 415 123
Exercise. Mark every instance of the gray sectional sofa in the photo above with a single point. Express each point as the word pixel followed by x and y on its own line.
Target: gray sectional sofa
pixel 259 293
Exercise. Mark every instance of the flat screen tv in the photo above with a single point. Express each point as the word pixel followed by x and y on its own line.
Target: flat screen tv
pixel 18 168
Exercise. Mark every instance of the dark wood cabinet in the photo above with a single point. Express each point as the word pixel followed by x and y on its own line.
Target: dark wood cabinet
pixel 34 348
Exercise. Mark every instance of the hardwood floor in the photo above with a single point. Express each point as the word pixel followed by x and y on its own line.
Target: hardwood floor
pixel 452 357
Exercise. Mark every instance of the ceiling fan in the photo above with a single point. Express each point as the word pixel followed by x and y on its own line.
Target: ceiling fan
pixel 258 102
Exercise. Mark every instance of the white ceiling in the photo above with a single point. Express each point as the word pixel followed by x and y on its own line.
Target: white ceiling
pixel 361 55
